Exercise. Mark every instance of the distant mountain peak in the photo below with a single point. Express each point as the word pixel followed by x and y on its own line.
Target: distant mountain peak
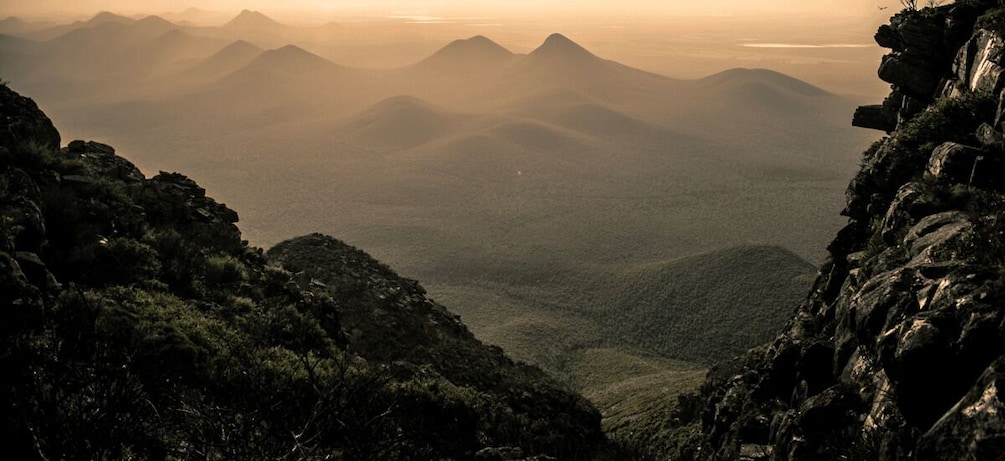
pixel 558 45
pixel 107 16
pixel 467 55
pixel 251 18
pixel 477 46
pixel 292 57
pixel 238 46
pixel 154 20
pixel 740 76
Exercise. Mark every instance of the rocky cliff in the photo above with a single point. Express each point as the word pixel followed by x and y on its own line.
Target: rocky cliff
pixel 898 352
pixel 136 324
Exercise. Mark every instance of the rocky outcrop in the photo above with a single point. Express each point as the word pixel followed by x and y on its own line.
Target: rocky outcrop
pixel 923 57
pixel 897 352
pixel 18 129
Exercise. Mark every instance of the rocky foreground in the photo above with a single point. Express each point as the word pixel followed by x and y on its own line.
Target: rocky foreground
pixel 899 350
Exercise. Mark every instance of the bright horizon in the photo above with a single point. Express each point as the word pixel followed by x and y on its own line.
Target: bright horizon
pixel 548 9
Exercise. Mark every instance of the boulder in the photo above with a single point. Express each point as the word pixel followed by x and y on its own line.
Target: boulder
pixel 934 236
pixel 913 77
pixel 986 73
pixel 908 205
pixel 887 37
pixel 102 161
pixel 876 117
pixel 958 164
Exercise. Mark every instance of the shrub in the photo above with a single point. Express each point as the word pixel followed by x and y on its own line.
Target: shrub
pixel 225 270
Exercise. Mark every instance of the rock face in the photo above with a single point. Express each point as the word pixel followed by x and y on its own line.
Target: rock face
pixel 898 351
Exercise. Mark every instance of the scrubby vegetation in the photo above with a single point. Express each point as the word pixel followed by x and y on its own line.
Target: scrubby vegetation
pixel 137 325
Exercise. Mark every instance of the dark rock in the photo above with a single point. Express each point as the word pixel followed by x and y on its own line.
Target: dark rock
pixel 499 454
pixel 816 366
pixel 27 223
pixel 35 270
pixel 914 78
pixel 923 36
pixel 22 123
pixel 975 427
pixel 919 359
pixel 876 117
pixel 78 147
pixel 909 204
pixel 954 163
pixel 102 161
pixel 884 299
pixel 934 233
pixel 887 37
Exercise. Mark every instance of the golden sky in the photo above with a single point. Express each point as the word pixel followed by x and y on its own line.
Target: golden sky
pixel 465 7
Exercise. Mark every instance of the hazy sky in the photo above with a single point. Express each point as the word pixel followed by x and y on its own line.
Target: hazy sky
pixel 466 7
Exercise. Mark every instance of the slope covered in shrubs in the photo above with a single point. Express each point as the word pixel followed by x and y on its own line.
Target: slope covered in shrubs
pixel 137 324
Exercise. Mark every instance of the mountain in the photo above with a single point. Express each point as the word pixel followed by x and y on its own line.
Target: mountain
pixel 764 89
pixel 102 18
pixel 558 49
pixel 228 60
pixel 196 17
pixel 400 122
pixel 898 351
pixel 466 57
pixel 289 60
pixel 13 25
pixel 107 17
pixel 254 23
pixel 561 63
pixel 136 302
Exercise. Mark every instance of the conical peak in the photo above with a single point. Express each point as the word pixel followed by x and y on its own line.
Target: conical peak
pixel 558 45
pixel 251 18
pixel 477 44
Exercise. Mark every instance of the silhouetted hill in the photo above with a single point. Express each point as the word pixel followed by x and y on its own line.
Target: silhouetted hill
pixel 472 55
pixel 558 48
pixel 252 23
pixel 13 25
pixel 228 60
pixel 561 63
pixel 763 89
pixel 289 60
pixel 400 122
pixel 741 76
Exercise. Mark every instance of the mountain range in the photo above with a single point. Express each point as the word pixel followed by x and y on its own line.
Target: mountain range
pixel 529 191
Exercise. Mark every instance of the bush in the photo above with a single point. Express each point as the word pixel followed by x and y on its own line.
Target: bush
pixel 225 270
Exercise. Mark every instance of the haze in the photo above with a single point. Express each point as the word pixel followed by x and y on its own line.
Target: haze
pixel 466 8
pixel 543 168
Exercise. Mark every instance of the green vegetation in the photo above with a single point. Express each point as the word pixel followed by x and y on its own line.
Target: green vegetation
pixel 947 120
pixel 708 307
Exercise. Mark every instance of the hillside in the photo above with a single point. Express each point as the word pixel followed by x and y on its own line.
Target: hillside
pixel 898 352
pixel 137 324
pixel 705 307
